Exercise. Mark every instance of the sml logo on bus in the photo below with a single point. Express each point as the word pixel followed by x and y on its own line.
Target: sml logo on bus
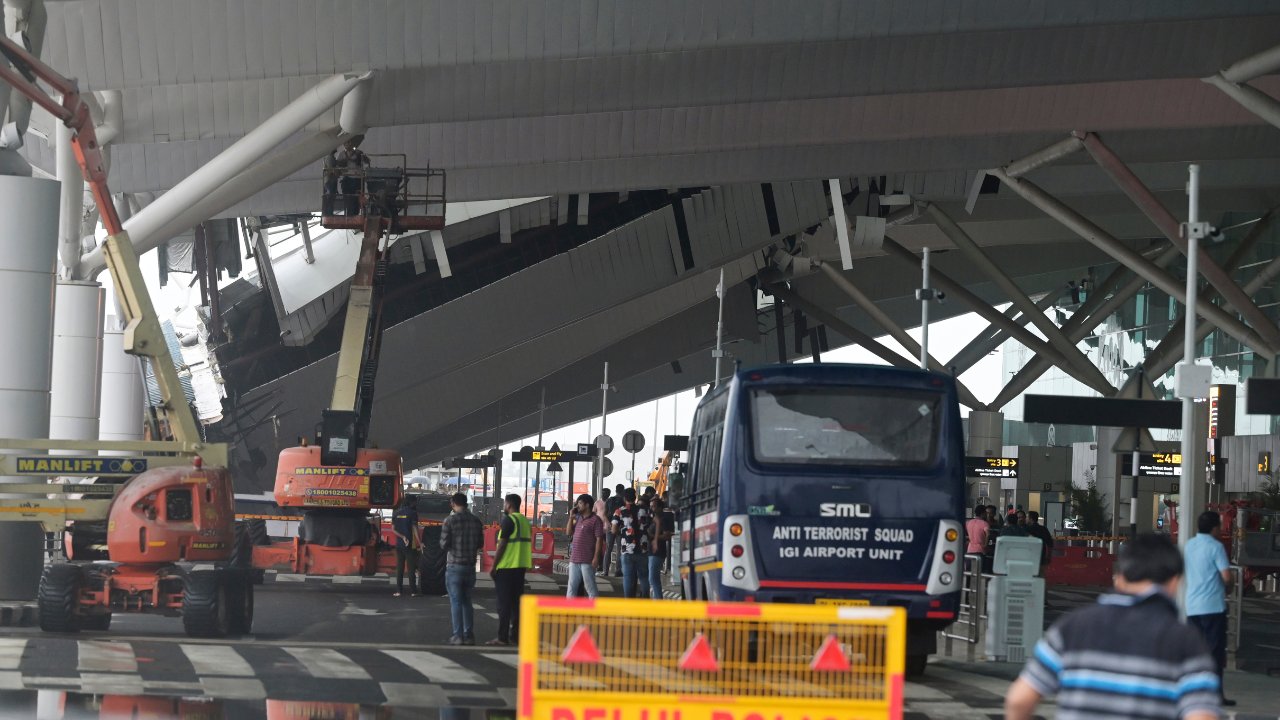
pixel 862 510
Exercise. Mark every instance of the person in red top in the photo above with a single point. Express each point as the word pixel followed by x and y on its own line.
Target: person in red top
pixel 978 531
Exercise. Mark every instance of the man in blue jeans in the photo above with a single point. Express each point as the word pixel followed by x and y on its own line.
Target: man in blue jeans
pixel 628 526
pixel 661 528
pixel 463 536
pixel 1208 577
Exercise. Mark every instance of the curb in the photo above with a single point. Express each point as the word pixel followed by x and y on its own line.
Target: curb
pixel 17 614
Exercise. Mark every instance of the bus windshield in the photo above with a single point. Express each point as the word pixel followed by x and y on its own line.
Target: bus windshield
pixel 833 425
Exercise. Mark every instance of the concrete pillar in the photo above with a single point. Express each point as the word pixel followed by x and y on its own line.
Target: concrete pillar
pixel 986 439
pixel 75 391
pixel 120 416
pixel 28 256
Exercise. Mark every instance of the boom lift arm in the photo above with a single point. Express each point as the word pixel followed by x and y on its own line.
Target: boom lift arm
pixel 142 335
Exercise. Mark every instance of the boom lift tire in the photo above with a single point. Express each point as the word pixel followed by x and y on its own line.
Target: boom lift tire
pixel 258 531
pixel 242 552
pixel 95 580
pixel 206 606
pixel 58 599
pixel 239 599
pixel 432 562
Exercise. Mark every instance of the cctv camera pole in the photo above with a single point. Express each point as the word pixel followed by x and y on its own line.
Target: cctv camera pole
pixel 1186 522
pixel 924 312
pixel 719 353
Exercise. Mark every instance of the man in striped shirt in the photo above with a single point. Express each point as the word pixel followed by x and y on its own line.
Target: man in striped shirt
pixel 1128 656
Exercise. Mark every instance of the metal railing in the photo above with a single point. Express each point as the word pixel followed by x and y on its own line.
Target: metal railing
pixel 972 616
pixel 1235 610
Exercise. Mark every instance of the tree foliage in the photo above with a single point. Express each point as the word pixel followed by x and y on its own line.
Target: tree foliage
pixel 1089 507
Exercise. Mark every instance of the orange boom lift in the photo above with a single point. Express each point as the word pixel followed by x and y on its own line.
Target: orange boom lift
pixel 339 480
pixel 179 508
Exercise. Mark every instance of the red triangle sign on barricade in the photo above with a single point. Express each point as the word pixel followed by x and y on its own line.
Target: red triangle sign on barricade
pixel 581 648
pixel 830 657
pixel 698 656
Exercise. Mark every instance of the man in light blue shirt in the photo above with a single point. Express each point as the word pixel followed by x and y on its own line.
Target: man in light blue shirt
pixel 1207 578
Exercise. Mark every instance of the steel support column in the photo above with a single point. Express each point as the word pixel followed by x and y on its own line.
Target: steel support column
pixel 1132 259
pixel 1146 201
pixel 1015 295
pixel 991 315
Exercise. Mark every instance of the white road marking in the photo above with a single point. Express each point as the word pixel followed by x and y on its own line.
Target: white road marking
pixel 111 684
pixel 351 609
pixel 103 656
pixel 420 695
pixel 233 688
pixel 347 579
pixel 325 663
pixel 11 680
pixel 477 606
pixel 511 659
pixel 11 652
pixel 436 668
pixel 290 577
pixel 216 660
pixel 915 691
pixel 492 615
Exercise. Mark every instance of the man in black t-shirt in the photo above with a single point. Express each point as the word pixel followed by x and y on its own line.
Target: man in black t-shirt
pixel 404 525
pixel 1036 530
pixel 662 526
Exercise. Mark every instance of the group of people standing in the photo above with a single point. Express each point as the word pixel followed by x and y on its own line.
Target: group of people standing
pixel 986 526
pixel 462 537
pixel 638 529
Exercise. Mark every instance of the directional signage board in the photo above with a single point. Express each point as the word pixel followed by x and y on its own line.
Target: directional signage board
pixel 548 456
pixel 1153 464
pixel 1106 412
pixel 1262 396
pixel 985 467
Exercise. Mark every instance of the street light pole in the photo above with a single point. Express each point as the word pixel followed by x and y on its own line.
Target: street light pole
pixel 924 313
pixel 1186 522
pixel 719 353
pixel 604 416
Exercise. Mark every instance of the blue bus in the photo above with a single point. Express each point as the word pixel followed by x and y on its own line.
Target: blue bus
pixel 832 484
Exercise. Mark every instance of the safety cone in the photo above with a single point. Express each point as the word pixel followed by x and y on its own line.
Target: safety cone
pixel 830 658
pixel 698 656
pixel 581 648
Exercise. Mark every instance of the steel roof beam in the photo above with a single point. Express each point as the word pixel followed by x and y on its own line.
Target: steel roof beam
pixel 1169 226
pixel 980 306
pixel 1095 309
pixel 1131 258
pixel 895 330
pixel 1015 295
pixel 1170 349
pixel 991 338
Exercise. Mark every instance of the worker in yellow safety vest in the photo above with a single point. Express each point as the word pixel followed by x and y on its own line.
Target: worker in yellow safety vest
pixel 514 555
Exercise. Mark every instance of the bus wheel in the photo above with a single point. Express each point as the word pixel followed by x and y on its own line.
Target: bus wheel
pixel 916 665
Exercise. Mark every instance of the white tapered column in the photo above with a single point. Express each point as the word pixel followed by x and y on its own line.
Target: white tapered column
pixel 77 361
pixel 28 255
pixel 120 417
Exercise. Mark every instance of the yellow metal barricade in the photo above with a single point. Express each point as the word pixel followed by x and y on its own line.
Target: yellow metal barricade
pixel 607 659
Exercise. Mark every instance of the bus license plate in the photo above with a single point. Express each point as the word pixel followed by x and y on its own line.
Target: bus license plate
pixel 840 601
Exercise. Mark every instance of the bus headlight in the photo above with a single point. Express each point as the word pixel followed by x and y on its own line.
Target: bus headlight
pixel 739 573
